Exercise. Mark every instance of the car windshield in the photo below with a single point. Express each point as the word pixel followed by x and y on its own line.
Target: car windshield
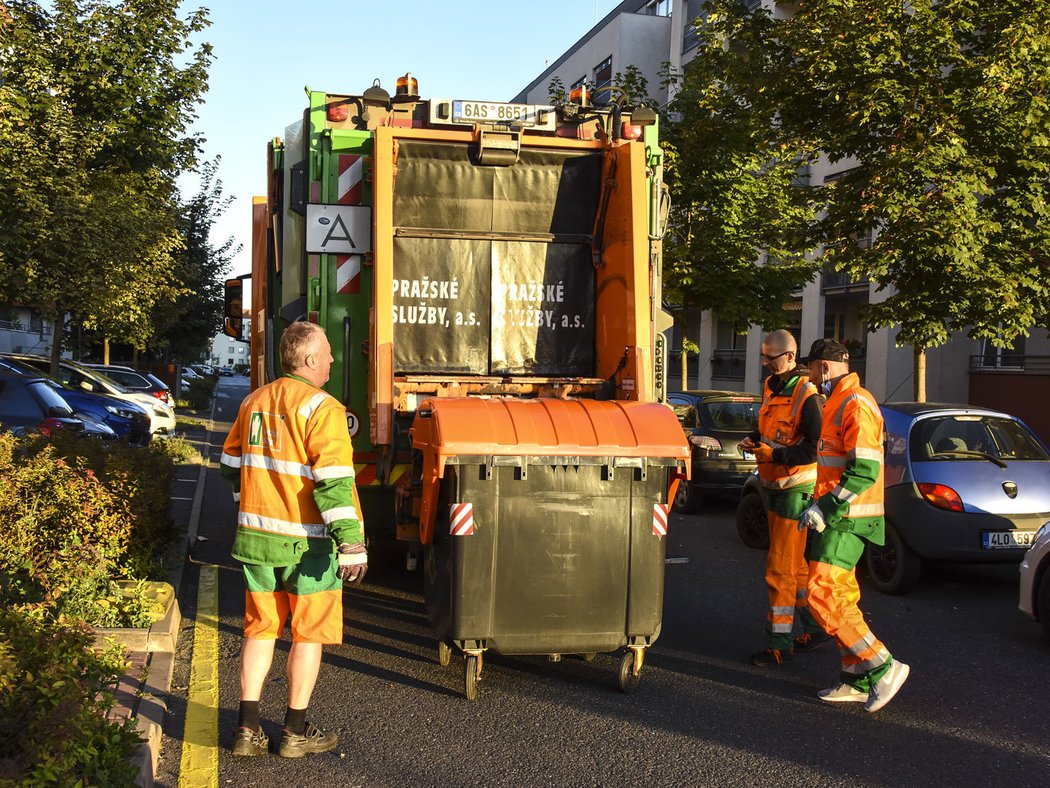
pixel 105 380
pixel 970 438
pixel 729 416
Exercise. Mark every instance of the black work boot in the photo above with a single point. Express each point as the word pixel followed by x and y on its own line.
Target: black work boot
pixel 313 739
pixel 770 657
pixel 249 742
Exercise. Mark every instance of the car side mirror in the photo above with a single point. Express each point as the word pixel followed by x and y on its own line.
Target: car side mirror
pixel 87 385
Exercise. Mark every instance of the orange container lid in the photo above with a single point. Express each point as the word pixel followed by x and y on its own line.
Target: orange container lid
pixel 548 427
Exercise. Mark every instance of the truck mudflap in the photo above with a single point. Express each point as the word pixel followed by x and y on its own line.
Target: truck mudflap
pixel 544 525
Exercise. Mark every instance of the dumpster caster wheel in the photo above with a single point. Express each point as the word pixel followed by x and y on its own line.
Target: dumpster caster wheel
pixel 628 679
pixel 472 676
pixel 444 654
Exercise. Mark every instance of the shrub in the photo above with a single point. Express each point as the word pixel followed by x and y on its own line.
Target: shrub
pixel 198 394
pixel 53 705
pixel 80 515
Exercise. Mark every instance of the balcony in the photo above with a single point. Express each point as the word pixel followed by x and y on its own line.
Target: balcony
pixel 991 363
pixel 729 364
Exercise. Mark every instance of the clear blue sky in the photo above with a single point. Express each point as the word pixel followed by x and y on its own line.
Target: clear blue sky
pixel 267 51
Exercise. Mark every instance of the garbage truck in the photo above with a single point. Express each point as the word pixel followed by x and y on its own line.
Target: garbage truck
pixel 488 275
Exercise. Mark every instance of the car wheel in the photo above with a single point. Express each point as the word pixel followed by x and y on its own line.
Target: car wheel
pixel 893 568
pixel 1042 602
pixel 686 499
pixel 751 521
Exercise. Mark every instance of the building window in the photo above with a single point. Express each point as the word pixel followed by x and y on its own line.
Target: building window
pixel 1011 357
pixel 693 9
pixel 657 8
pixel 602 79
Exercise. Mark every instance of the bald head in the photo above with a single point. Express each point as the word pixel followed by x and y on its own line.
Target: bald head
pixel 780 341
pixel 779 351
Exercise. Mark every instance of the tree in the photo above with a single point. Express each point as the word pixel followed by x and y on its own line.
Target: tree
pixel 186 324
pixel 94 111
pixel 734 186
pixel 941 107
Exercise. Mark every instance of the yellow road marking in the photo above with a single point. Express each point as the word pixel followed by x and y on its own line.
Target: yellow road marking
pixel 200 741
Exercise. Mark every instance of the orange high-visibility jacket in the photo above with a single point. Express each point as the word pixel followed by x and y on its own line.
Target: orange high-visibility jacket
pixel 291 463
pixel 850 461
pixel 779 421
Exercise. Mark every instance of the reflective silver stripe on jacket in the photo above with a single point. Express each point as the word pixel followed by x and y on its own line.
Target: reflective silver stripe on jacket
pixel 831 461
pixel 277 466
pixel 865 510
pixel 339 513
pixel 333 472
pixel 795 480
pixel 230 460
pixel 843 494
pixel 873 455
pixel 312 404
pixel 283 527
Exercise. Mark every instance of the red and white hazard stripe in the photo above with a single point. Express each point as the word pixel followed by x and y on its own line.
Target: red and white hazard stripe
pixel 461 519
pixel 351 175
pixel 660 519
pixel 347 273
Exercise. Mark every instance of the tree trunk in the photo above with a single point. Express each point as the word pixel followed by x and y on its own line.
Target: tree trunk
pixel 920 374
pixel 56 342
pixel 134 358
pixel 105 351
pixel 685 365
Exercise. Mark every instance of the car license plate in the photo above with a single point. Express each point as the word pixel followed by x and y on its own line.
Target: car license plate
pixel 999 540
pixel 493 112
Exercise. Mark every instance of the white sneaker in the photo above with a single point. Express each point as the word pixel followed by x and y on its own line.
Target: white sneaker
pixel 843 693
pixel 886 687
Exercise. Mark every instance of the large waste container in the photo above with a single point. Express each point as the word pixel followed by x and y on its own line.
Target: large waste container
pixel 544 525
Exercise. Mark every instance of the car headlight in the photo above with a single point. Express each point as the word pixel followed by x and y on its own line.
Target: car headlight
pixel 124 413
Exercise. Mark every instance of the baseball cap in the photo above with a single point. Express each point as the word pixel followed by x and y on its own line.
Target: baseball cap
pixel 827 350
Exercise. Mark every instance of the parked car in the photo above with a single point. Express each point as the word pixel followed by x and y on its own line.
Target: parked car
pixel 134 380
pixel 1035 579
pixel 963 484
pixel 28 403
pixel 128 420
pixel 715 422
pixel 225 372
pixel 74 375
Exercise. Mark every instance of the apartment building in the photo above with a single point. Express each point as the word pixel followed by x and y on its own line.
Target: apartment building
pixel 649 33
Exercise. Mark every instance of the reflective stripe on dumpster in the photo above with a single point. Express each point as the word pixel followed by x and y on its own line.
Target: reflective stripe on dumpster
pixel 660 519
pixel 461 521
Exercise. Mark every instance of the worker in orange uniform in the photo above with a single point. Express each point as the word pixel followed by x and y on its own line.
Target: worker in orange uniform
pixel 785 447
pixel 299 533
pixel 847 511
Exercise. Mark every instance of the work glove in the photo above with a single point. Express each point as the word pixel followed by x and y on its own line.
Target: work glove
pixel 762 452
pixel 353 563
pixel 812 519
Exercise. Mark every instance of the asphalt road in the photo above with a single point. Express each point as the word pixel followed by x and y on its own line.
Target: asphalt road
pixel 974 711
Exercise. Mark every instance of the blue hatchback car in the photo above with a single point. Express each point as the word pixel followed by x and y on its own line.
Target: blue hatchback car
pixel 963 484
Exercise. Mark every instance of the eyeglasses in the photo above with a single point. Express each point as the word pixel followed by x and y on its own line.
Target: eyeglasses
pixel 767 359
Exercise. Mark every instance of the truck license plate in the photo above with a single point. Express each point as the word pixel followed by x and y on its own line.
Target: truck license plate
pixel 493 112
pixel 999 540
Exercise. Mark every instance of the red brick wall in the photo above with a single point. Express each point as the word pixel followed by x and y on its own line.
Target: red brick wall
pixel 1024 396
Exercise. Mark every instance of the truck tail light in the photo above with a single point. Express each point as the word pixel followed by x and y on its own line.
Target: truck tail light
pixel 578 95
pixel 337 111
pixel 941 496
pixel 629 132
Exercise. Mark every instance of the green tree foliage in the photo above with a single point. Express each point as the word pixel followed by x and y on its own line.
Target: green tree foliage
pixel 95 102
pixel 734 182
pixel 938 111
pixel 186 325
